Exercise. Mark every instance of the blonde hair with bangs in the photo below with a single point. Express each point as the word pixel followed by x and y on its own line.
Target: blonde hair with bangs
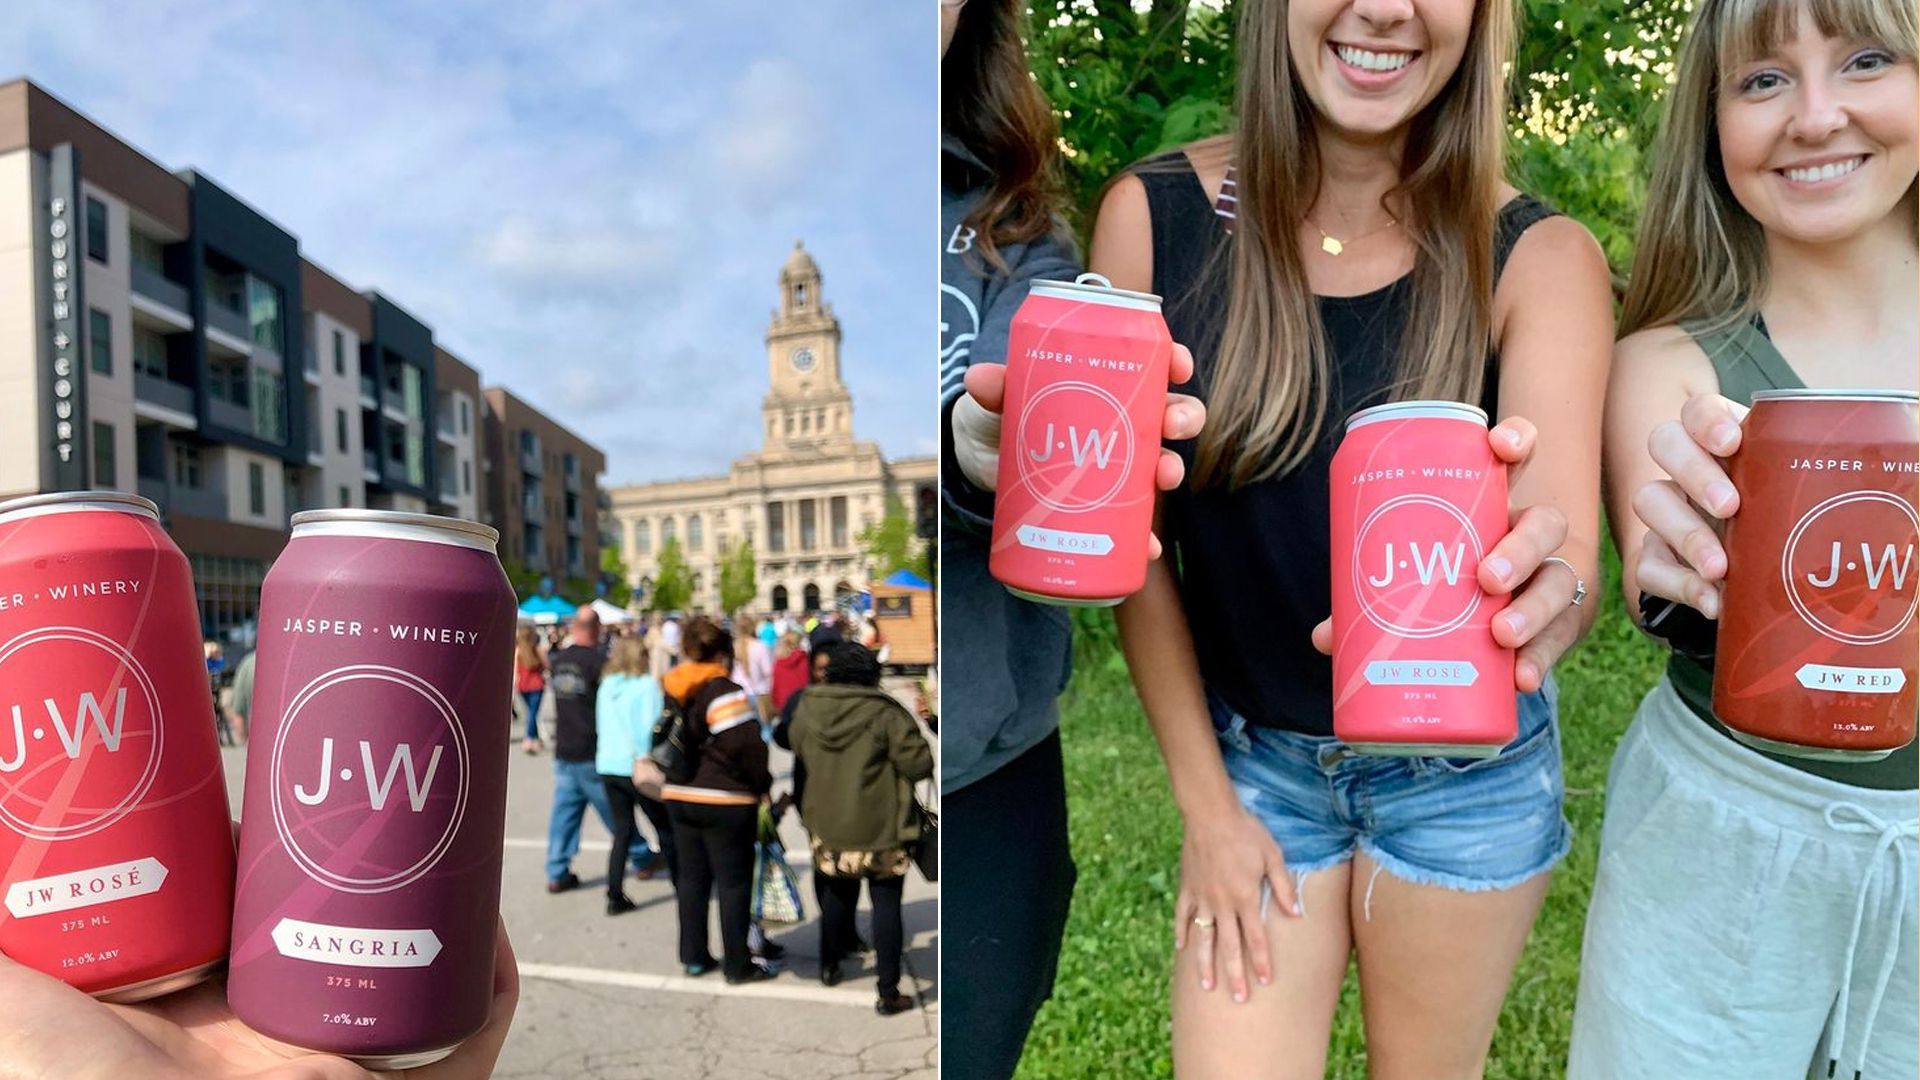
pixel 1699 254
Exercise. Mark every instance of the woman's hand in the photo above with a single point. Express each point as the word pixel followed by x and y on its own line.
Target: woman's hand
pixel 1682 558
pixel 1540 622
pixel 976 427
pixel 1224 861
pixel 50 1029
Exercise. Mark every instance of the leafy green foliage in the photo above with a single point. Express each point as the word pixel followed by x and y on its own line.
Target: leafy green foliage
pixel 1587 83
pixel 737 584
pixel 672 579
pixel 613 571
pixel 891 544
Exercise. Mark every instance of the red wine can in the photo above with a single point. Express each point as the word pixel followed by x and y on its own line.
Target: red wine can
pixel 375 808
pixel 1418 500
pixel 1817 644
pixel 113 806
pixel 1087 368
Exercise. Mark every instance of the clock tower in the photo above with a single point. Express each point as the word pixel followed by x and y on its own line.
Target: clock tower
pixel 807 407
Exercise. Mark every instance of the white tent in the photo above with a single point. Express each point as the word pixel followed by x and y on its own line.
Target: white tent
pixel 609 614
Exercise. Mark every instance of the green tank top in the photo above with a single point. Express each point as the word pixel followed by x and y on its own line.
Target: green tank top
pixel 1745 360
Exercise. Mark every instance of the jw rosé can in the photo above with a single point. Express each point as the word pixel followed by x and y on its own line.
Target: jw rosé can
pixel 1817 644
pixel 1418 500
pixel 372 828
pixel 114 834
pixel 1087 369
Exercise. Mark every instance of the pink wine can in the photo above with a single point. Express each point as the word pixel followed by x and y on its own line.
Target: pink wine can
pixel 1817 647
pixel 375 810
pixel 1418 500
pixel 1087 368
pixel 113 807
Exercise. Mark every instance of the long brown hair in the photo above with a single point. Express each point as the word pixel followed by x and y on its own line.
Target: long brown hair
pixel 526 649
pixel 1700 255
pixel 1270 388
pixel 988 101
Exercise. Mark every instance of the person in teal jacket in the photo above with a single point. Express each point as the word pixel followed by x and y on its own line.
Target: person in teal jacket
pixel 628 705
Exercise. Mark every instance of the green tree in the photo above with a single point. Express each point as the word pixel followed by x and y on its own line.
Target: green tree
pixel 891 544
pixel 672 579
pixel 613 571
pixel 737 585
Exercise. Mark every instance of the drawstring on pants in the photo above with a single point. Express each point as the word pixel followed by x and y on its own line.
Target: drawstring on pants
pixel 1851 818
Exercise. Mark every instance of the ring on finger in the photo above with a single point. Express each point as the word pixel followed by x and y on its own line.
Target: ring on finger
pixel 1202 922
pixel 1579 583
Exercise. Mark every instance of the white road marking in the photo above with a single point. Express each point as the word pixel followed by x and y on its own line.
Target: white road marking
pixel 786 988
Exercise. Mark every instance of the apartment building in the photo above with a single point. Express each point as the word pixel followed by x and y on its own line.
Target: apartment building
pixel 158 334
pixel 543 489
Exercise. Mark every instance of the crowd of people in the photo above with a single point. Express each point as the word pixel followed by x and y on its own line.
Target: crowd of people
pixel 811 685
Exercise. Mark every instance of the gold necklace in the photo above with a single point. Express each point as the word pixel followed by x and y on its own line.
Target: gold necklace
pixel 1334 247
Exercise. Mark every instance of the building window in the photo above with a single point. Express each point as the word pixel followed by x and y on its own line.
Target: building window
pixel 149 253
pixel 465 418
pixel 789 423
pixel 837 520
pixel 186 465
pixel 808 533
pixel 694 532
pixel 96 230
pixel 339 353
pixel 346 497
pixel 149 353
pixel 776 528
pixel 256 489
pixel 779 598
pixel 228 381
pixel 263 314
pixel 340 429
pixel 269 405
pixel 103 450
pixel 666 531
pixel 466 478
pixel 100 341
pixel 643 538
pixel 799 295
pixel 810 597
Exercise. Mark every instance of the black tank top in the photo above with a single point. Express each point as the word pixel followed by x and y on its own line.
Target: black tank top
pixel 1253 564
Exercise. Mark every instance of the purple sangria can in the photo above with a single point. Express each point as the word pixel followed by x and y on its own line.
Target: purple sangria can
pixel 375 808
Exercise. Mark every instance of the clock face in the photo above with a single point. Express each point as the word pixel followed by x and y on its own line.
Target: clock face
pixel 801 359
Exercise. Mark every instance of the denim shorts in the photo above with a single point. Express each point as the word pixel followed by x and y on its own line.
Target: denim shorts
pixel 1467 824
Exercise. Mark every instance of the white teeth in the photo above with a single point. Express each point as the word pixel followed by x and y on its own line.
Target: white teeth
pixel 1373 61
pixel 1824 172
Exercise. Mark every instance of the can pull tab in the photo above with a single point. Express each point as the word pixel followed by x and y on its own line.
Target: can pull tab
pixel 1101 279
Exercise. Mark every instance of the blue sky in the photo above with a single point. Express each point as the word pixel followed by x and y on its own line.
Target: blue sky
pixel 589 200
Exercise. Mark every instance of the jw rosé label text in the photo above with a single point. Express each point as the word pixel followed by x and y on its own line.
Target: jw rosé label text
pixel 85 888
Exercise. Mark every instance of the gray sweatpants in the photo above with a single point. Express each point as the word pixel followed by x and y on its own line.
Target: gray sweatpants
pixel 1749 921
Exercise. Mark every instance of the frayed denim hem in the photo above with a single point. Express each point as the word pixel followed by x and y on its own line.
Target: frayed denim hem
pixel 1419 875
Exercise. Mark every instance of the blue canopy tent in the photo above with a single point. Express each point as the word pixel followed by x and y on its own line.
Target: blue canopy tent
pixel 907 579
pixel 545 610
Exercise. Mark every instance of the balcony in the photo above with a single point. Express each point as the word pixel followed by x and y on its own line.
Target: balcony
pixel 573 479
pixel 228 328
pixel 230 416
pixel 443 426
pixel 533 511
pixel 161 297
pixel 200 502
pixel 573 527
pixel 530 462
pixel 369 391
pixel 370 465
pixel 394 404
pixel 536 560
pixel 168 401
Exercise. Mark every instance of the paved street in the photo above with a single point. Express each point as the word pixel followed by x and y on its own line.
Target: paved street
pixel 604 997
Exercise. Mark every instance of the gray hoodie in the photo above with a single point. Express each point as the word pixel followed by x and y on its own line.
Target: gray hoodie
pixel 1004 660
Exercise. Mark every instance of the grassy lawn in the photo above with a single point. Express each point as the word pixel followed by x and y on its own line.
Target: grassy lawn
pixel 1108 1016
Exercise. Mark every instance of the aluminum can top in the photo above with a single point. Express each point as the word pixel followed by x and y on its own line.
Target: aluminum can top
pixel 64 501
pixel 1418 410
pixel 395 525
pixel 1094 288
pixel 1907 397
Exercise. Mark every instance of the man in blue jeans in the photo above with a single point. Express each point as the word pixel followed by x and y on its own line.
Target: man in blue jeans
pixel 573 678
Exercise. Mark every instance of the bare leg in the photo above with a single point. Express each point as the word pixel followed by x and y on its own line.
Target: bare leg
pixel 1281 1032
pixel 1434 969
